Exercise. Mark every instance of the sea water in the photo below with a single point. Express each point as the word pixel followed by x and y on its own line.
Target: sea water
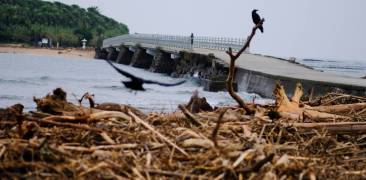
pixel 354 68
pixel 23 77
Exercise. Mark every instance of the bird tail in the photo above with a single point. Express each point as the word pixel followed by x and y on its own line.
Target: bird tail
pixel 261 28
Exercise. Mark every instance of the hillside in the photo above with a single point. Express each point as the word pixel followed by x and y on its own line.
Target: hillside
pixel 28 21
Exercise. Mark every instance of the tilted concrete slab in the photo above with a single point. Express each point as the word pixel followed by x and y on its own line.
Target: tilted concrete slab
pixel 283 68
pixel 288 72
pixel 273 69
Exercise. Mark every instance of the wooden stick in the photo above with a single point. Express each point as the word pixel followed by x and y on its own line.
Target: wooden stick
pixel 230 78
pixel 107 138
pixel 340 127
pixel 148 126
pixel 73 119
pixel 88 96
pixel 190 116
pixel 108 114
pixel 67 125
pixel 322 116
pixel 174 174
pixel 341 108
pixel 94 168
pixel 217 127
pixel 340 96
pixel 96 116
pixel 258 165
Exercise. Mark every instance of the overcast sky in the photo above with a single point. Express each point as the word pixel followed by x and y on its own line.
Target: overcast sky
pixel 329 29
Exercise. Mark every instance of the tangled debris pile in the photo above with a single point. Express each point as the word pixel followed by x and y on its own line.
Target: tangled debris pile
pixel 111 141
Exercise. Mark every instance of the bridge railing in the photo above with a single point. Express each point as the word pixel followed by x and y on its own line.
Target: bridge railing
pixel 177 42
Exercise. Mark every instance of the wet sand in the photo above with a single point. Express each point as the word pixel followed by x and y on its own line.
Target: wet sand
pixel 69 52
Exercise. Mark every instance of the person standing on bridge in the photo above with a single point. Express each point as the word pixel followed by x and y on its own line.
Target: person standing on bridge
pixel 192 40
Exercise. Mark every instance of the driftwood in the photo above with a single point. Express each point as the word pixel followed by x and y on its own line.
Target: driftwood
pixel 333 98
pixel 174 174
pixel 90 143
pixel 322 116
pixel 68 125
pixel 97 116
pixel 56 103
pixel 11 113
pixel 257 166
pixel 146 125
pixel 293 109
pixel 338 128
pixel 230 78
pixel 121 108
pixel 217 127
pixel 197 104
pixel 108 114
pixel 90 98
pixel 340 108
pixel 283 104
pixel 337 98
pixel 192 118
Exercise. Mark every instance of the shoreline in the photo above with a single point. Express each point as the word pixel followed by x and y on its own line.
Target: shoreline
pixel 68 52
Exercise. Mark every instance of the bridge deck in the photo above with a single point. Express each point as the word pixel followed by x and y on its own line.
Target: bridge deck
pixel 277 67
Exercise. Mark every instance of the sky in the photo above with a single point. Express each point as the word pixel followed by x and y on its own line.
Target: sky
pixel 326 29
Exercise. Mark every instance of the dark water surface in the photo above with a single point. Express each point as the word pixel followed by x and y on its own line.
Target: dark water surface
pixel 24 76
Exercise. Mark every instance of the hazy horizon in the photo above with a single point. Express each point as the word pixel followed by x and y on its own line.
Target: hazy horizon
pixel 329 29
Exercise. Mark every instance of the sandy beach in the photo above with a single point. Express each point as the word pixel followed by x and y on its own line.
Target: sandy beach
pixel 69 52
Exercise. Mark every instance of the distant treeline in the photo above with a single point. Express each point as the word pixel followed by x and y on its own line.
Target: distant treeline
pixel 28 21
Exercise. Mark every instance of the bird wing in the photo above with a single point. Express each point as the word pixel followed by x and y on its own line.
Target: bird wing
pixel 121 71
pixel 163 84
pixel 145 81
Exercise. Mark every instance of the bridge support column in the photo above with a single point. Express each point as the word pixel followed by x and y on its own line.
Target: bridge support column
pixel 141 59
pixel 101 53
pixel 124 55
pixel 162 63
pixel 112 54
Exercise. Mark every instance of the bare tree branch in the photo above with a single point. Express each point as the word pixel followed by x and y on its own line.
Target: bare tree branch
pixel 230 78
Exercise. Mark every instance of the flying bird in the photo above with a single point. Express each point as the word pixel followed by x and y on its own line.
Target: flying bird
pixel 256 19
pixel 136 82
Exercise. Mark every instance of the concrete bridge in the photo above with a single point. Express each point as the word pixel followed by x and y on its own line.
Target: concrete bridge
pixel 206 58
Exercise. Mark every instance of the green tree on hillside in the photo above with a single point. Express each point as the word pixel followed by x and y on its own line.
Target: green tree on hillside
pixel 28 21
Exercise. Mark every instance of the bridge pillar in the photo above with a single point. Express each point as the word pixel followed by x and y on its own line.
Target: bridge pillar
pixel 162 63
pixel 112 54
pixel 101 53
pixel 193 64
pixel 141 59
pixel 124 55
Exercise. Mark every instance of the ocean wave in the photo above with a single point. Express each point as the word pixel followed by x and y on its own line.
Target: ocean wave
pixel 318 60
pixel 45 78
pixel 11 97
pixel 112 87
pixel 58 79
pixel 313 60
pixel 343 67
pixel 17 81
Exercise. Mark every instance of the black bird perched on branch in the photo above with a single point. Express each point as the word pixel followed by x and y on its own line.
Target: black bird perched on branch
pixel 136 83
pixel 256 19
